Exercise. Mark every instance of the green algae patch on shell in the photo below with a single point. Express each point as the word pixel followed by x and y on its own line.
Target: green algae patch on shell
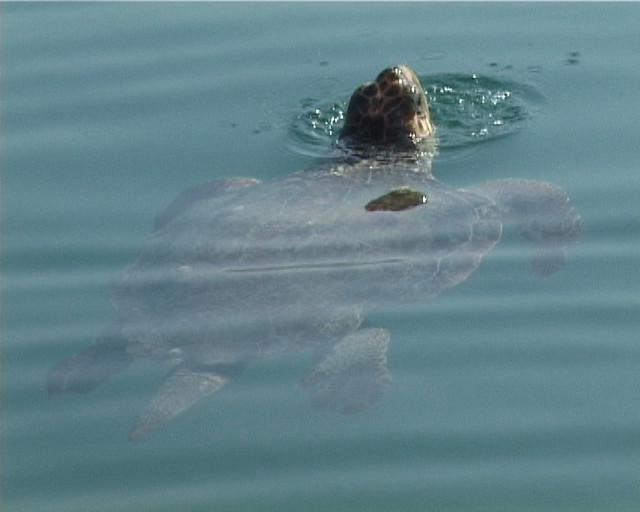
pixel 397 200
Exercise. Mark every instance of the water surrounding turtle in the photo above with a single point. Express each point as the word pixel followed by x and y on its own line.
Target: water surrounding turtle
pixel 238 270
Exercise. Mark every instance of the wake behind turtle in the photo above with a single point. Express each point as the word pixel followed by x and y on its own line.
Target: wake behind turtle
pixel 238 270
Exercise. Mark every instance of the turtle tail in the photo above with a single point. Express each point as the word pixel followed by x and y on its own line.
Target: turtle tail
pixel 82 372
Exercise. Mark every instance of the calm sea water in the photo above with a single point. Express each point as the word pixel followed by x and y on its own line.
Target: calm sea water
pixel 510 392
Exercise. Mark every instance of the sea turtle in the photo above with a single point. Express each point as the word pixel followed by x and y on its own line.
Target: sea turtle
pixel 238 270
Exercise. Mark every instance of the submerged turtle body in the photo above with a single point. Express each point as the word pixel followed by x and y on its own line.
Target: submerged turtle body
pixel 238 270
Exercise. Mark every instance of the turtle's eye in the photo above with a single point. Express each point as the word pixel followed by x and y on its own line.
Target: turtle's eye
pixel 418 100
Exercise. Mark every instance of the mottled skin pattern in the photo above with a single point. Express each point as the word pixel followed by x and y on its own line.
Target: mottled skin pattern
pixel 238 270
pixel 392 111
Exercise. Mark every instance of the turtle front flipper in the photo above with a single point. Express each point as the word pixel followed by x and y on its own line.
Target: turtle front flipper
pixel 182 388
pixel 353 374
pixel 542 213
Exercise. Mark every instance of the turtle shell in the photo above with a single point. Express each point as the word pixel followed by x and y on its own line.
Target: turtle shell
pixel 249 271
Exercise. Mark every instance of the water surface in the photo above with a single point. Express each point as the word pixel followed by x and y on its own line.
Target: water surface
pixel 509 392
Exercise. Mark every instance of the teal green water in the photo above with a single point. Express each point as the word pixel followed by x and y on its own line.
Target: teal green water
pixel 509 393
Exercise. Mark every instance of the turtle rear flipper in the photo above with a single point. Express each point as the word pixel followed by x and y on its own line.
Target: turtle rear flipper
pixel 182 388
pixel 353 375
pixel 82 372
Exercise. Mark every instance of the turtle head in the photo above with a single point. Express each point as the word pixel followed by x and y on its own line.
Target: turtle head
pixel 390 113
